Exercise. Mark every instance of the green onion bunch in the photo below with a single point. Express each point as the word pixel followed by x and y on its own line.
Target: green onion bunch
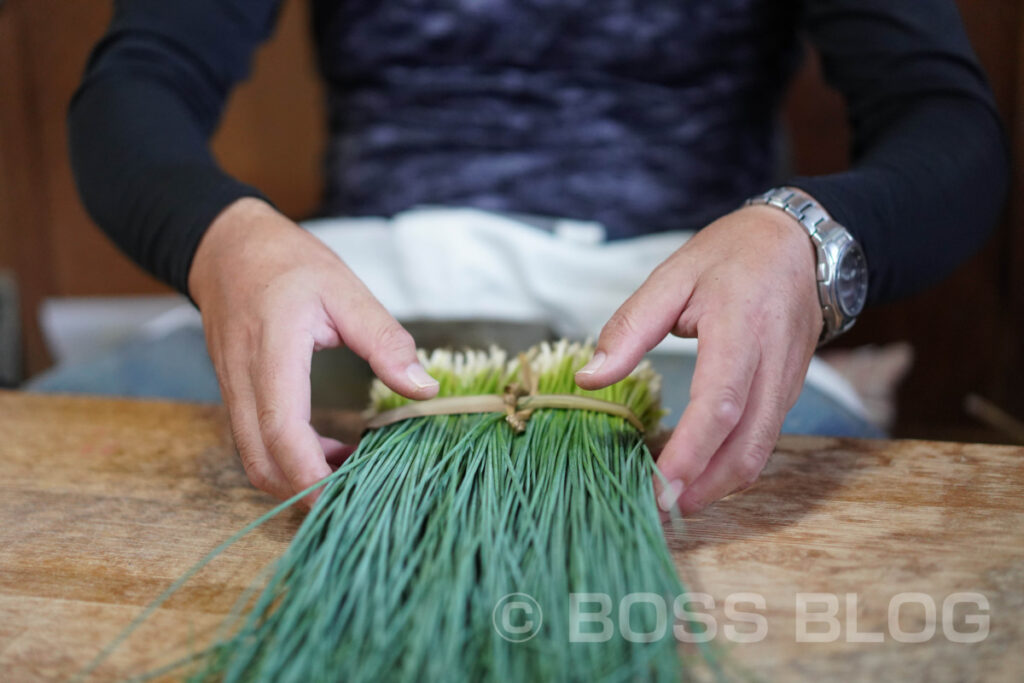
pixel 448 548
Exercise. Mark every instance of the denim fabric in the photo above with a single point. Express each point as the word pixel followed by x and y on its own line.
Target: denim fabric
pixel 177 367
pixel 814 412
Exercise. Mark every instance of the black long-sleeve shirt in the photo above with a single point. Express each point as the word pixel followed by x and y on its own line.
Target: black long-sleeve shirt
pixel 645 116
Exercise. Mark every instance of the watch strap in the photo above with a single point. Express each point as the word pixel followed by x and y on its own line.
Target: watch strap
pixel 820 227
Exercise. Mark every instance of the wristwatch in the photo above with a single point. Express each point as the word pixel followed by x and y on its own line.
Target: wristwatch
pixel 842 271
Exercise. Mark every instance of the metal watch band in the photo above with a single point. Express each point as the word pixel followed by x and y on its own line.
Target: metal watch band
pixel 828 238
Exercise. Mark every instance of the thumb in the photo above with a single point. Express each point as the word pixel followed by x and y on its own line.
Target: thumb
pixel 640 323
pixel 366 327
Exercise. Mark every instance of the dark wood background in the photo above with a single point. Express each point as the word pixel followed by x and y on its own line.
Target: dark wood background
pixel 968 333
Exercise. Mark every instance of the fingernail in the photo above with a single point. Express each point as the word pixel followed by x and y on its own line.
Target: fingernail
pixel 594 365
pixel 670 494
pixel 418 376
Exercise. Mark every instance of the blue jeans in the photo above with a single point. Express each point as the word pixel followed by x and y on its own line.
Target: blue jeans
pixel 178 367
pixel 815 412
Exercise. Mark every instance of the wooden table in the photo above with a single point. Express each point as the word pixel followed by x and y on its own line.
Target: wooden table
pixel 104 503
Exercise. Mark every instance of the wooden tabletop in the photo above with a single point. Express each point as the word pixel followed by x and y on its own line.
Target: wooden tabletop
pixel 103 503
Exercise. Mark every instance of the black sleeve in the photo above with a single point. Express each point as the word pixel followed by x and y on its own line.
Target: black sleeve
pixel 139 124
pixel 930 161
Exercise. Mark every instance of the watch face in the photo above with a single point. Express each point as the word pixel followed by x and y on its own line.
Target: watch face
pixel 852 280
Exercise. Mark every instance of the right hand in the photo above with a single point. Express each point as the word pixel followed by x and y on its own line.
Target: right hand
pixel 270 294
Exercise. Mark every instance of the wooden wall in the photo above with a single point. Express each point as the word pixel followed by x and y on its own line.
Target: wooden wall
pixel 968 332
pixel 271 136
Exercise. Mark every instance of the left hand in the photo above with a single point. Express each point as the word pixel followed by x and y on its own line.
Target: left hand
pixel 745 287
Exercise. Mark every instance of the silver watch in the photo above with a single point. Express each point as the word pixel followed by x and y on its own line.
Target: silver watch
pixel 842 269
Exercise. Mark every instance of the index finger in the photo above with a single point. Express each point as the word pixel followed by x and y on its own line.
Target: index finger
pixel 727 359
pixel 639 324
pixel 367 328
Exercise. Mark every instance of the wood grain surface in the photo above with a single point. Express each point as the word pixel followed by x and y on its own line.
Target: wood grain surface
pixel 104 503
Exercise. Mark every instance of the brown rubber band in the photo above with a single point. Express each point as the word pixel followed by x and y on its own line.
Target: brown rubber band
pixel 517 408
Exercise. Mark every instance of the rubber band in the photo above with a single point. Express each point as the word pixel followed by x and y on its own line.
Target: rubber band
pixel 517 408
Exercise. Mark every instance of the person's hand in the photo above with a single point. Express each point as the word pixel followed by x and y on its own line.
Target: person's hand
pixel 270 294
pixel 745 287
